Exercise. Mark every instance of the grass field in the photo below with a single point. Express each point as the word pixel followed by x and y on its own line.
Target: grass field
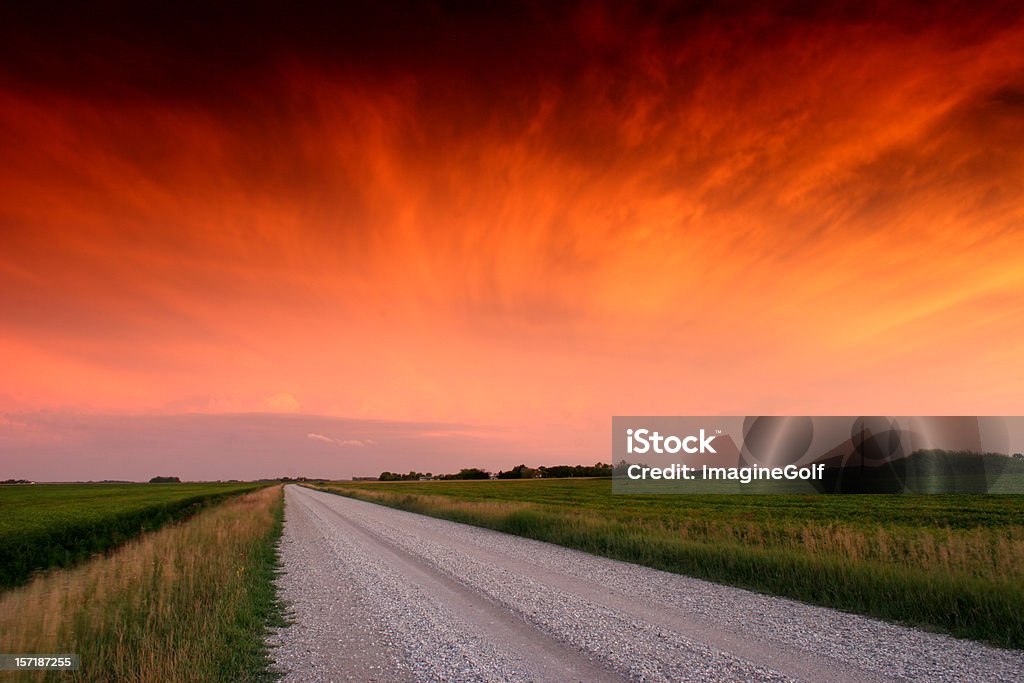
pixel 189 602
pixel 953 563
pixel 58 525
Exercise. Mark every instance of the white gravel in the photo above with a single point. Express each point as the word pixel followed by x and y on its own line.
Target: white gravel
pixel 384 595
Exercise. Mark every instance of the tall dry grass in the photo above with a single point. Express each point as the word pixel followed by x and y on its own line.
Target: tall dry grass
pixel 989 553
pixel 185 603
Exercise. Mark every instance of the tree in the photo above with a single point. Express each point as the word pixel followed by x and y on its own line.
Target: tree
pixel 469 473
pixel 165 480
pixel 518 472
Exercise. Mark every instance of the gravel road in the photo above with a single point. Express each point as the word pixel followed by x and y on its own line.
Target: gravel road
pixel 377 594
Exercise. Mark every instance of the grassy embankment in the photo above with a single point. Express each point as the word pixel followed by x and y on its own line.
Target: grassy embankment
pixel 188 602
pixel 953 563
pixel 59 525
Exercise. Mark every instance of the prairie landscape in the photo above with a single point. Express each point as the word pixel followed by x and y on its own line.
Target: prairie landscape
pixel 564 581
pixel 188 601
pixel 57 525
pixel 278 251
pixel 953 563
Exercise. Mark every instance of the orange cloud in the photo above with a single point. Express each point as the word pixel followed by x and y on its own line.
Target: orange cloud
pixel 813 214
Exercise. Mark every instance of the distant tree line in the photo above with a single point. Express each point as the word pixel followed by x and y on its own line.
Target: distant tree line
pixel 468 473
pixel 411 476
pixel 165 480
pixel 557 471
pixel 517 472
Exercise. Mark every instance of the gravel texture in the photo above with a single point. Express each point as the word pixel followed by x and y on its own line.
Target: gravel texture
pixel 384 595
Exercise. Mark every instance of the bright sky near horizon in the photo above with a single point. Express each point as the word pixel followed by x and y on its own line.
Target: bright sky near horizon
pixel 458 239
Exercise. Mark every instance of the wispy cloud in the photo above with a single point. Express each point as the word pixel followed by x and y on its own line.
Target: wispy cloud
pixel 319 437
pixel 734 202
pixel 339 442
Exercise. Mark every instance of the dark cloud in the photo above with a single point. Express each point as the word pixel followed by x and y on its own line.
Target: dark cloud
pixel 218 52
pixel 1010 96
pixel 205 51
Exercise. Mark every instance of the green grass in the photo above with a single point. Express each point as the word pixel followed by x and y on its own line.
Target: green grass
pixel 58 525
pixel 953 563
pixel 189 602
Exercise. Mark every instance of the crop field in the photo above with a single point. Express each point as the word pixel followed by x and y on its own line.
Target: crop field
pixel 188 602
pixel 953 563
pixel 58 525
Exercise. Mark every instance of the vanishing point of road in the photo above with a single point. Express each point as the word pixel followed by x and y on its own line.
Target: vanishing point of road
pixel 378 594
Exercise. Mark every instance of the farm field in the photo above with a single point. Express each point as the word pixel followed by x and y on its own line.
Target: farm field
pixel 188 602
pixel 58 525
pixel 953 563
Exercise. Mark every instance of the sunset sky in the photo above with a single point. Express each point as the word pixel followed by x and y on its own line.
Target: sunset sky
pixel 251 243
